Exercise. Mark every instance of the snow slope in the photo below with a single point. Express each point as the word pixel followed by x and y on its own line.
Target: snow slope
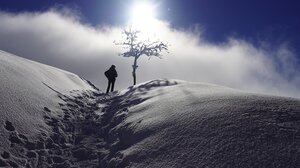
pixel 29 90
pixel 181 124
pixel 52 118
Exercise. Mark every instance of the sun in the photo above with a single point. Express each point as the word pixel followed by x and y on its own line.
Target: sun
pixel 141 12
pixel 142 16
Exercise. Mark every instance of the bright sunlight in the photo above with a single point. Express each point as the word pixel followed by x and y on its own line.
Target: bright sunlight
pixel 142 17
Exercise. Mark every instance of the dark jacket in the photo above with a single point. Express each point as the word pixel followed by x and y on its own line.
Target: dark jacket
pixel 111 74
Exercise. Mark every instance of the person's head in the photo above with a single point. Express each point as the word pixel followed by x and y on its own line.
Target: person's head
pixel 113 66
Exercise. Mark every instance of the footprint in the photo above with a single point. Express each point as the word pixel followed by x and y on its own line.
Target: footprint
pixel 13 138
pixel 66 117
pixel 5 155
pixel 13 164
pixel 30 145
pixel 3 163
pixel 44 134
pixel 8 126
pixel 57 159
pixel 81 154
pixel 31 154
pixel 47 109
pixel 60 104
pixel 23 137
pixel 40 145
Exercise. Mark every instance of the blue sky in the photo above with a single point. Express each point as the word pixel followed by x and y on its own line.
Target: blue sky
pixel 248 45
pixel 255 20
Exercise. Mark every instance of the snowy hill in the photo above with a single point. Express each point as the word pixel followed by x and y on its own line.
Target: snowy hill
pixel 30 90
pixel 200 125
pixel 52 118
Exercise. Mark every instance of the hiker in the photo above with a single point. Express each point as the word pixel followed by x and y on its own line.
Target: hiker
pixel 111 75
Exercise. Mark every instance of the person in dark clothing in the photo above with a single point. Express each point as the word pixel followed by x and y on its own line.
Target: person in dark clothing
pixel 111 75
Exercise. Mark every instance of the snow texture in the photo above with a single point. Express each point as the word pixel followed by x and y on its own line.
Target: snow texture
pixel 52 118
pixel 30 91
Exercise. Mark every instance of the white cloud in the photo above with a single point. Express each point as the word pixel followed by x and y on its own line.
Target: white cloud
pixel 60 39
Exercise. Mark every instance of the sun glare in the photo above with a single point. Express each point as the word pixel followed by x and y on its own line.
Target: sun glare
pixel 142 17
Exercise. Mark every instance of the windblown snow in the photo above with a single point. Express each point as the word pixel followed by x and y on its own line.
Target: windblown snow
pixel 53 118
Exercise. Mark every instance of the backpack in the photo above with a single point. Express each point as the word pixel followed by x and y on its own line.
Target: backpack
pixel 106 73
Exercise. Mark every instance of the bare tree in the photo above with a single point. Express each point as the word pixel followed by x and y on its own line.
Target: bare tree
pixel 137 47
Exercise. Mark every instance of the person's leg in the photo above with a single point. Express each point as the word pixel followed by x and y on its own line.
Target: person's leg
pixel 108 86
pixel 112 85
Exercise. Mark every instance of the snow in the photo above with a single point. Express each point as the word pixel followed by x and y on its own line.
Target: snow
pixel 53 118
pixel 28 87
pixel 204 125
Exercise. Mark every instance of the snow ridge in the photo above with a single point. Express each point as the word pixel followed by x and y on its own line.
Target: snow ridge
pixel 52 118
pixel 84 135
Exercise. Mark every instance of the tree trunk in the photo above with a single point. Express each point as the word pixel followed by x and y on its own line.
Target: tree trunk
pixel 134 67
pixel 134 76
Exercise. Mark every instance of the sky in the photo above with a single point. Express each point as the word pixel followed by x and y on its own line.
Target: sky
pixel 248 45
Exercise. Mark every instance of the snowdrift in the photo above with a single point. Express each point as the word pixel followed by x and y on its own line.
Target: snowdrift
pixel 181 124
pixel 52 118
